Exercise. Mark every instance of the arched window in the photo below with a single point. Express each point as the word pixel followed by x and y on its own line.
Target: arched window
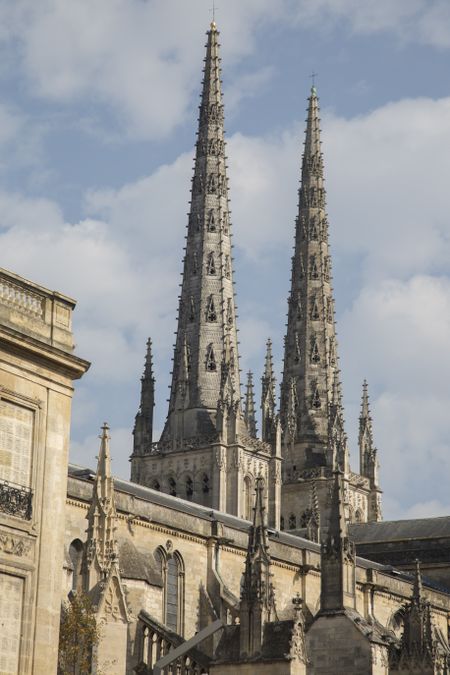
pixel 76 557
pixel 172 572
pixel 247 498
pixel 155 485
pixel 189 488
pixel 206 490
pixel 358 516
pixel 172 486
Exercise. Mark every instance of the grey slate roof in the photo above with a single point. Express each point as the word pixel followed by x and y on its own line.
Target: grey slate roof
pixel 392 530
pixel 137 565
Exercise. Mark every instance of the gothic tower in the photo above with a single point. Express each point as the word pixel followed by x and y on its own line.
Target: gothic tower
pixel 206 334
pixel 314 439
pixel 208 451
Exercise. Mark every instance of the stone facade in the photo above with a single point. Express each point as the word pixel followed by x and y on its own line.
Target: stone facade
pixel 37 368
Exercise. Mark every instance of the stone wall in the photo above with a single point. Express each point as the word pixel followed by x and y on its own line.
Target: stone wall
pixel 37 368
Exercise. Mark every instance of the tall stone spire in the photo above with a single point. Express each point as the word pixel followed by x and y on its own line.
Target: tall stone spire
pixel 310 358
pixel 257 597
pixel 102 548
pixel 338 557
pixel 249 409
pixel 207 314
pixel 143 425
pixel 268 405
pixel 368 457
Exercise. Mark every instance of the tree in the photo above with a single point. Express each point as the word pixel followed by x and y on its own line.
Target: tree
pixel 78 636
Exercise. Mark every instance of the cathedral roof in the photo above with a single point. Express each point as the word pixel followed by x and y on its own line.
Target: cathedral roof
pixel 417 528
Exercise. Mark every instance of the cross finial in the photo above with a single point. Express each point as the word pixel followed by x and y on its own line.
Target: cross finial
pixel 313 81
pixel 213 12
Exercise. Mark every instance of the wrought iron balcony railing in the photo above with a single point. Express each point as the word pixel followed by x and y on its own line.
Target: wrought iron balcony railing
pixel 15 500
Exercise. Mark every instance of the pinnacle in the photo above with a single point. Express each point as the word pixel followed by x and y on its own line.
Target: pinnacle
pixel 249 410
pixel 418 586
pixel 338 524
pixel 365 410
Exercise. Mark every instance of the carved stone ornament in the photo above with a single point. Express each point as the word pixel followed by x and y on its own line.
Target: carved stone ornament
pixel 220 457
pixel 14 545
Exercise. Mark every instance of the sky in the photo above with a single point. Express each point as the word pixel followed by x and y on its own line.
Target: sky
pixel 98 114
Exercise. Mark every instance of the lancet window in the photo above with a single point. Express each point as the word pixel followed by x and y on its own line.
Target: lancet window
pixel 247 498
pixel 211 314
pixel 172 487
pixel 316 402
pixel 189 488
pixel 212 185
pixel 172 573
pixel 227 268
pixel 211 265
pixel 210 359
pixel 229 312
pixel 329 311
pixel 76 558
pixel 315 355
pixel 315 314
pixel 211 221
pixel 314 273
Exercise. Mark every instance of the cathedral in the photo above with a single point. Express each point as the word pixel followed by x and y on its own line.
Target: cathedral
pixel 226 552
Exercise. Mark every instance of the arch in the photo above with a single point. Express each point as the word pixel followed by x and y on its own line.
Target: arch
pixel 189 486
pixel 172 486
pixel 76 557
pixel 247 498
pixel 358 516
pixel 206 490
pixel 172 572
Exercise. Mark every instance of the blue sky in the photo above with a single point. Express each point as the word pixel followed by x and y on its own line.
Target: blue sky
pixel 98 112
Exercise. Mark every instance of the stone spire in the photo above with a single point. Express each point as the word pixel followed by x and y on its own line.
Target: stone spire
pixel 257 597
pixel 367 450
pixel 368 457
pixel 207 314
pixel 249 409
pixel 143 425
pixel 268 404
pixel 338 582
pixel 102 548
pixel 310 358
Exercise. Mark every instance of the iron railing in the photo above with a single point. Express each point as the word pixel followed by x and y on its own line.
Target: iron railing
pixel 16 500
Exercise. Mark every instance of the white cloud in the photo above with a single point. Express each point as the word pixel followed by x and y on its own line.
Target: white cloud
pixel 388 205
pixel 424 21
pixel 139 58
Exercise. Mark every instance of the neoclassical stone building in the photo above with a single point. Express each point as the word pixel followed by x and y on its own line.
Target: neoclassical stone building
pixel 225 552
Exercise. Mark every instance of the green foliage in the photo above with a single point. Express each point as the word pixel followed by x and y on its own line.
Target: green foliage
pixel 78 636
